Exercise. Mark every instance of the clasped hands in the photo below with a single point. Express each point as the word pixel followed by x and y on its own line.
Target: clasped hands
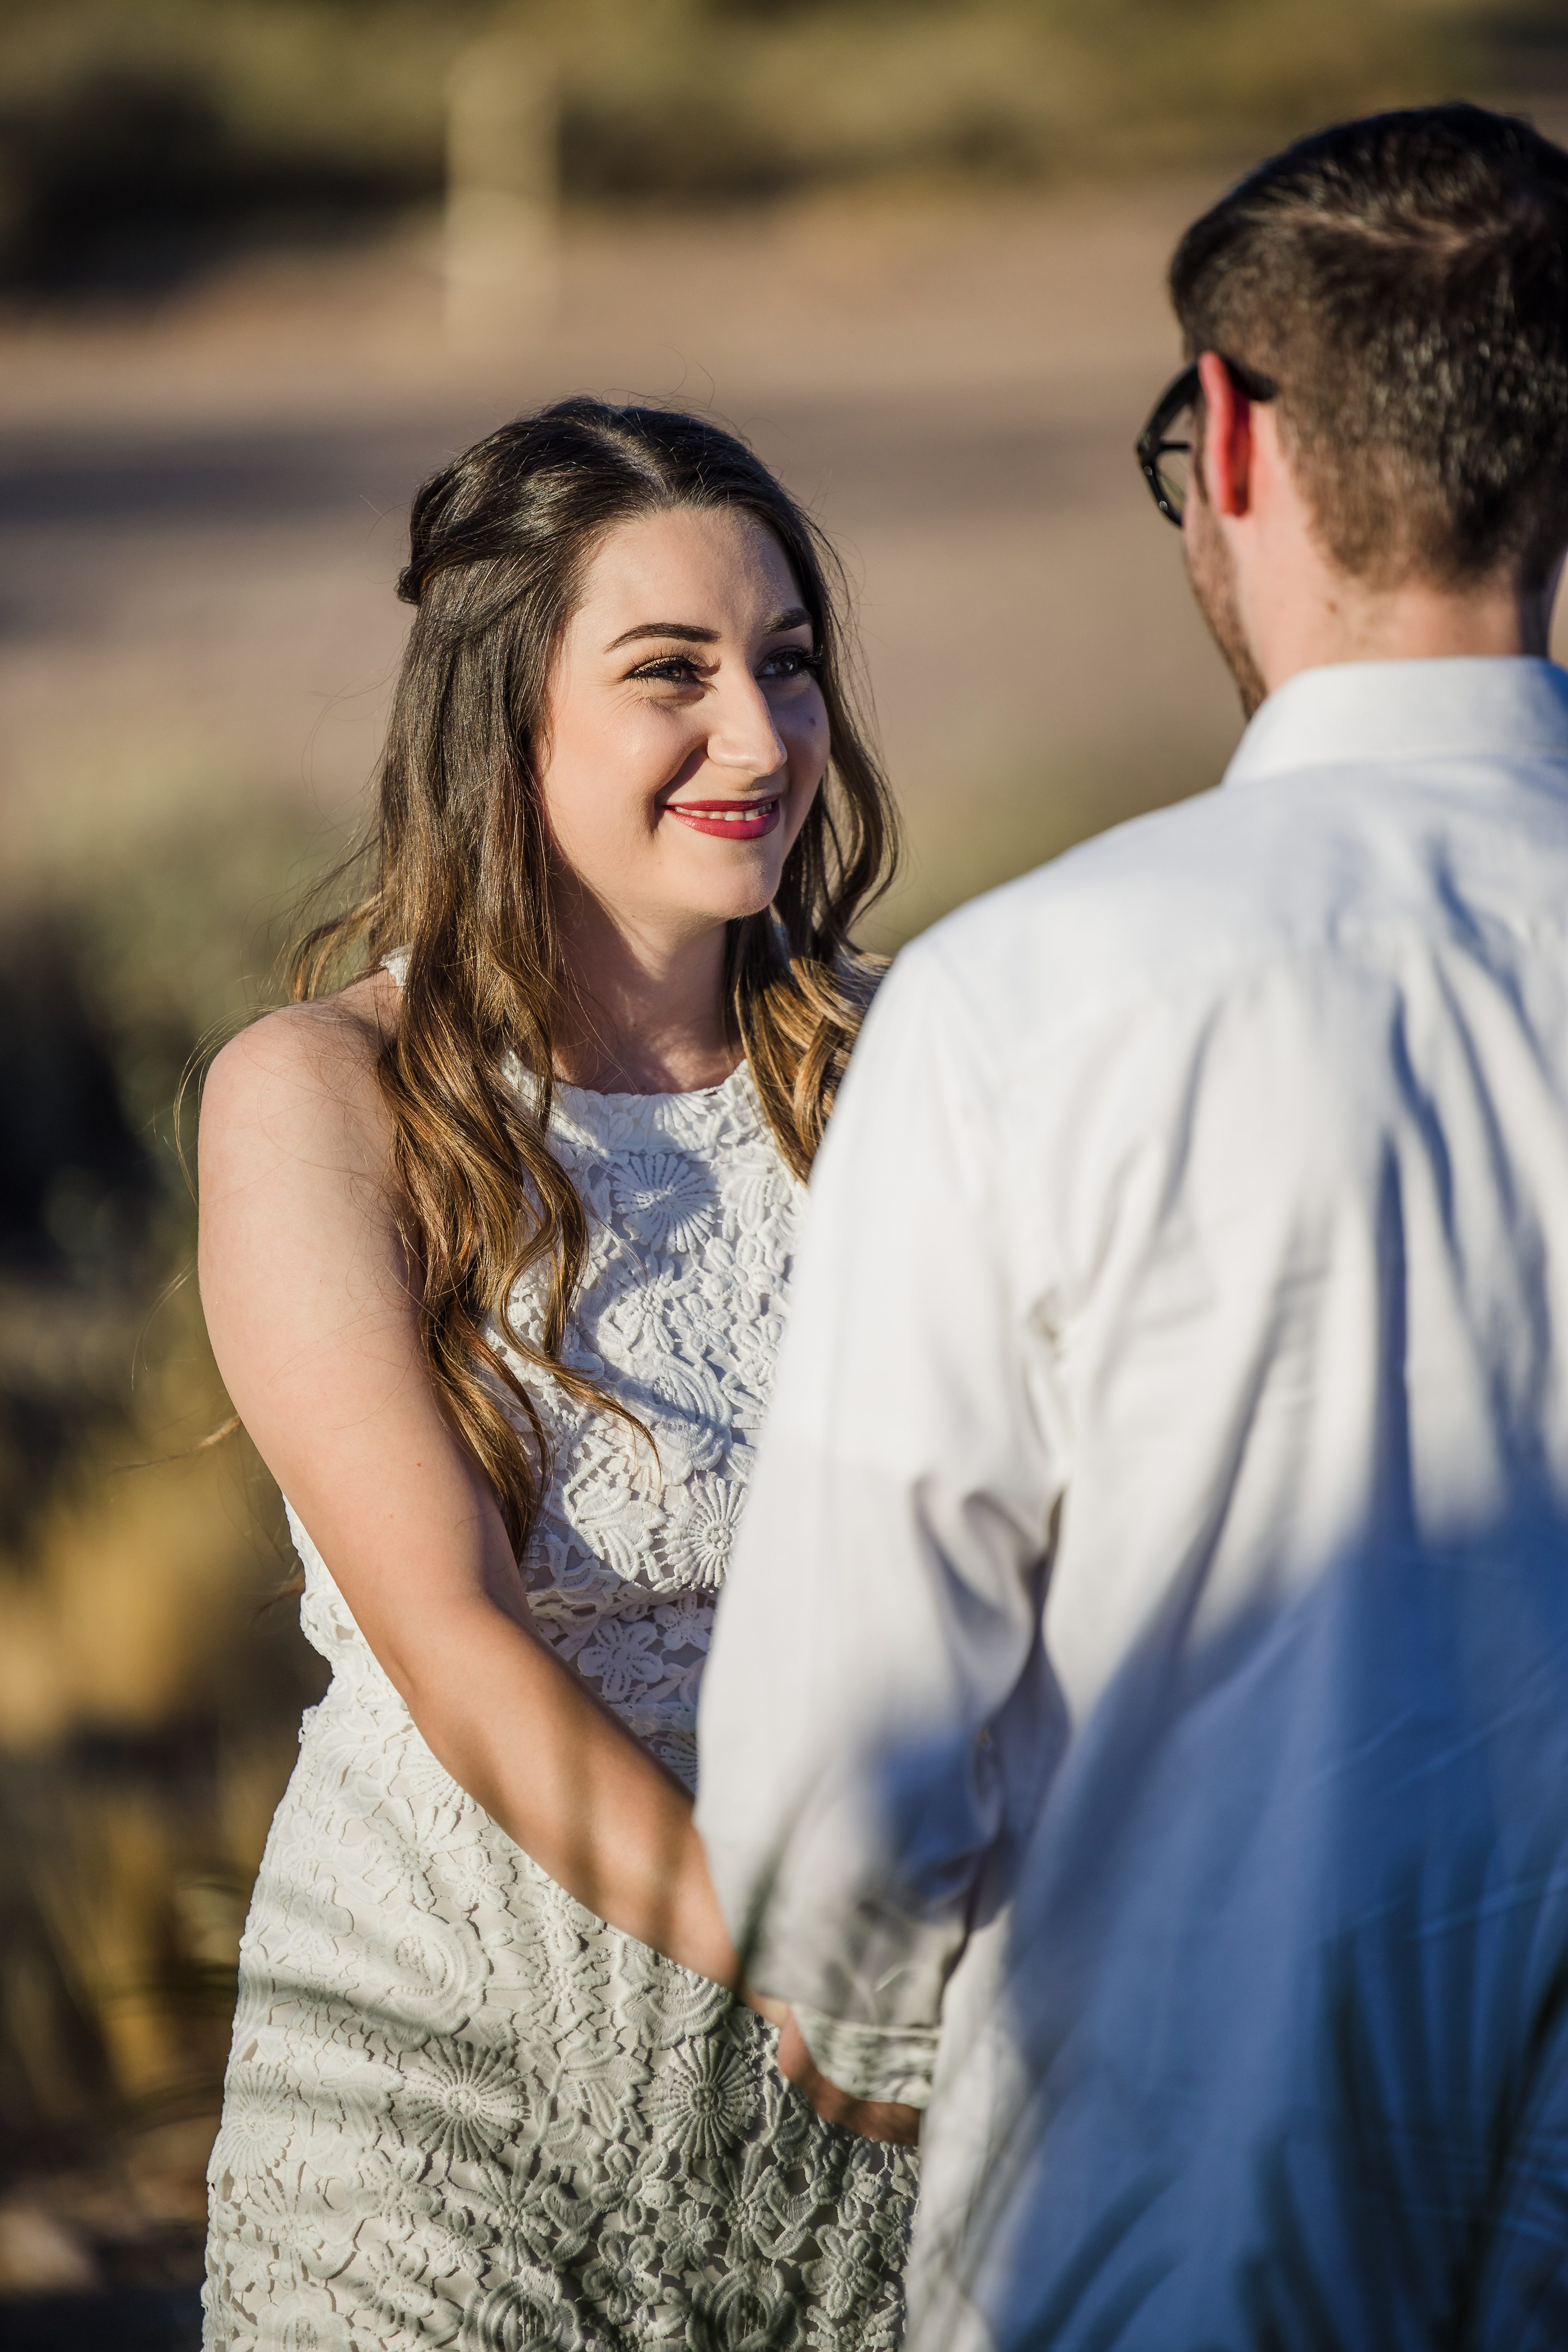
pixel 883 2119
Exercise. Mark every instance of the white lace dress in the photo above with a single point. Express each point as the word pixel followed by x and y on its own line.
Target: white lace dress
pixel 459 2109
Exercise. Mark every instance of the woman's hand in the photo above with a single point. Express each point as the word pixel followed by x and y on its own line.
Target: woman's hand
pixel 884 2119
pixel 312 1310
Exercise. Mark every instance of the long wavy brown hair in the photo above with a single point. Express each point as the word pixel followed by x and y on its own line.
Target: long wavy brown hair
pixel 458 866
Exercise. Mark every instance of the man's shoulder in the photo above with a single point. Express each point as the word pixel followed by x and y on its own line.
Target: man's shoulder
pixel 1347 862
pixel 1186 887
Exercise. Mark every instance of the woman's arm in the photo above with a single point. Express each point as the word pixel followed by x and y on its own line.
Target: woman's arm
pixel 308 1302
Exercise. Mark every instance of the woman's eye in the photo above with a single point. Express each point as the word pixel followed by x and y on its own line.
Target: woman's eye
pixel 790 661
pixel 675 669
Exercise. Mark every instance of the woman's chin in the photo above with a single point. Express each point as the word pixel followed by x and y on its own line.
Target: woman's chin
pixel 737 896
pixel 754 902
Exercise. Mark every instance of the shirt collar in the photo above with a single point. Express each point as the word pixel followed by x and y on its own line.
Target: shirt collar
pixel 1373 711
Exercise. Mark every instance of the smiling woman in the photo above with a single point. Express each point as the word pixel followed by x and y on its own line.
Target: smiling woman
pixel 496 1238
pixel 713 725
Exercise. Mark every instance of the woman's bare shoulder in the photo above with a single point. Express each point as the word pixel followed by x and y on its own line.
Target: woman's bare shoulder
pixel 288 1071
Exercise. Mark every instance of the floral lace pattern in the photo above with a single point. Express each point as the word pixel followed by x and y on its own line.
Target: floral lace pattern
pixel 461 2111
pixel 680 1313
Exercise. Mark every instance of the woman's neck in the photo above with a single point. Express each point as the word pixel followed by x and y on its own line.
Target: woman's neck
pixel 641 1013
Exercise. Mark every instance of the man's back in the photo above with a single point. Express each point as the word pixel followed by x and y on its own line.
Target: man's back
pixel 1281 1076
pixel 1195 1423
pixel 1314 1555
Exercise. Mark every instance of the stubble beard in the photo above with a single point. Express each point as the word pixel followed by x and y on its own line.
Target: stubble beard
pixel 1211 568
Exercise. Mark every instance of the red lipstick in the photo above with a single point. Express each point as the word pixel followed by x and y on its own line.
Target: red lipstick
pixel 733 820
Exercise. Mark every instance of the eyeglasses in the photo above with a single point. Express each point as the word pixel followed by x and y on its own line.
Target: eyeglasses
pixel 1166 444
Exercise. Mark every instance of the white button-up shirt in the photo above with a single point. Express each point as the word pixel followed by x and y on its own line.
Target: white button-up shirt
pixel 1182 1314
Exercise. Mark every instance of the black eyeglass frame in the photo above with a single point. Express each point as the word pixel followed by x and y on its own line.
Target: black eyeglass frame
pixel 1185 390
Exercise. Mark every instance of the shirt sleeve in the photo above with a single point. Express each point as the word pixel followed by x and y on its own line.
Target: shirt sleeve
pixel 876 1715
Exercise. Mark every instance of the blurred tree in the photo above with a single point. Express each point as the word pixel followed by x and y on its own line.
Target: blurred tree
pixel 113 971
pixel 147 1713
pixel 77 1191
pixel 140 139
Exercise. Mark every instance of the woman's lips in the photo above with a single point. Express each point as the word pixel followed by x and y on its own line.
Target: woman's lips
pixel 728 820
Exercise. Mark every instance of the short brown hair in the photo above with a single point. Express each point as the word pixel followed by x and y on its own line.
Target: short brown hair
pixel 1403 280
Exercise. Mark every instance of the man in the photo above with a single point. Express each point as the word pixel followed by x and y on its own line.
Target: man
pixel 1147 1657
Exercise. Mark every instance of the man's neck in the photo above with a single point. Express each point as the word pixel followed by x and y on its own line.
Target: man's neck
pixel 1280 604
pixel 1418 621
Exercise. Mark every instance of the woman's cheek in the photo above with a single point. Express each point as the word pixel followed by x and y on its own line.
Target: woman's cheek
pixel 808 751
pixel 813 764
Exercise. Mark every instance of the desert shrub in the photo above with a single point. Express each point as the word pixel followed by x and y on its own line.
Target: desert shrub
pixel 148 1698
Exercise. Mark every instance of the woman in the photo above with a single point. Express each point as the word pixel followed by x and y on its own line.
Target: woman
pixel 495 1241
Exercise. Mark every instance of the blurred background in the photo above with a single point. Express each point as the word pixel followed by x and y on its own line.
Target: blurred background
pixel 263 265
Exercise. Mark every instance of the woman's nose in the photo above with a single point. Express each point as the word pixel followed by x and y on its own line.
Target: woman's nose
pixel 744 736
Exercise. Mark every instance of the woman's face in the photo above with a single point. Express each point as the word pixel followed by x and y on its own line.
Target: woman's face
pixel 687 735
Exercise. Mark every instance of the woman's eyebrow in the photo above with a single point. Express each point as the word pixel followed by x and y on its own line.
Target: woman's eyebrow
pixel 793 616
pixel 687 633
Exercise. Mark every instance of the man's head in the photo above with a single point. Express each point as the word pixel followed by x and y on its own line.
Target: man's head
pixel 1397 290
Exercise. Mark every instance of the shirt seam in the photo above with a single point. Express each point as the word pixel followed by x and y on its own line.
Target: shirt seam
pixel 1241 771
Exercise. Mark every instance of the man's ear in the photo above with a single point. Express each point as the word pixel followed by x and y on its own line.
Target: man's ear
pixel 1227 438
